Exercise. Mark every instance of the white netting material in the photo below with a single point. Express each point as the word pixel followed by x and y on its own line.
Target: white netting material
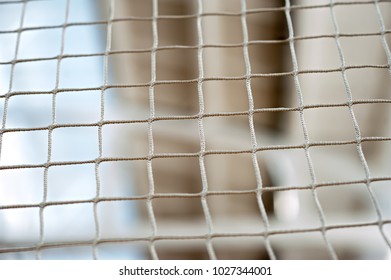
pixel 267 232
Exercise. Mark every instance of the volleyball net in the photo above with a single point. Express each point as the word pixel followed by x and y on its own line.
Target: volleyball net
pixel 168 129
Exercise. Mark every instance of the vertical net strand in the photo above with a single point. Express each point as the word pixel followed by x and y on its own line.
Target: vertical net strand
pixel 205 207
pixel 255 163
pixel 356 127
pixel 50 133
pixel 151 192
pixel 329 246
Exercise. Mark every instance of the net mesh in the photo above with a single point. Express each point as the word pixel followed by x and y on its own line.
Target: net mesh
pixel 237 132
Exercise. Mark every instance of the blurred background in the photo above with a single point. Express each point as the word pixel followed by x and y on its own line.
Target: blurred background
pixel 74 64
